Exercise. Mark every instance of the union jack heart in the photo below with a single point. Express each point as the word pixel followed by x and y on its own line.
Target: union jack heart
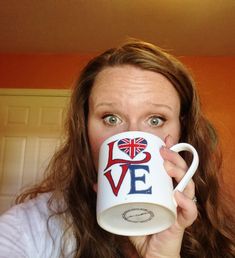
pixel 132 147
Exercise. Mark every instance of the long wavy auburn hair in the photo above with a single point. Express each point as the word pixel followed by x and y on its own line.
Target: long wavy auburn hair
pixel 71 173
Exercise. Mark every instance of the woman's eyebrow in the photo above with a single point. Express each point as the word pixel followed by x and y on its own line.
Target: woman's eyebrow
pixel 162 106
pixel 103 104
pixel 115 104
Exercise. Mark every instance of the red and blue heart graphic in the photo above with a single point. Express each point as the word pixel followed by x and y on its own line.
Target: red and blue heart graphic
pixel 132 147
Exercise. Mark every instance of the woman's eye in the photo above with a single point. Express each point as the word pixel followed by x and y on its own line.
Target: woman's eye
pixel 111 120
pixel 156 121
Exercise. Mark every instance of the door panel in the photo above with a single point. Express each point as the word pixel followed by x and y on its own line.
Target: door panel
pixel 31 128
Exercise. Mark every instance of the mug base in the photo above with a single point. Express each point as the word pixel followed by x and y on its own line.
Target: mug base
pixel 136 219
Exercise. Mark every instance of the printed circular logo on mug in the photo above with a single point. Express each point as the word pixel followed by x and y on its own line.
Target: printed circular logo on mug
pixel 137 215
pixel 135 193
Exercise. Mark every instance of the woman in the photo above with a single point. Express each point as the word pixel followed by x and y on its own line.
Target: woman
pixel 136 86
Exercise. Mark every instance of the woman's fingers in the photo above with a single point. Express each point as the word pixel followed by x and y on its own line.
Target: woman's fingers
pixel 169 141
pixel 177 172
pixel 176 166
pixel 173 157
pixel 187 209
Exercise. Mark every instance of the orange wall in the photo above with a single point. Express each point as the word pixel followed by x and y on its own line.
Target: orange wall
pixel 43 71
pixel 215 77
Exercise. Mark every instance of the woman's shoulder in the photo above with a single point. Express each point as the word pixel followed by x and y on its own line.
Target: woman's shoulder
pixel 33 208
pixel 25 227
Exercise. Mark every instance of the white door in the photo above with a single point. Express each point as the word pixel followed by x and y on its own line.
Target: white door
pixel 31 128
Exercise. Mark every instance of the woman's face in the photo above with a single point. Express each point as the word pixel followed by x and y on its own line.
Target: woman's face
pixel 126 98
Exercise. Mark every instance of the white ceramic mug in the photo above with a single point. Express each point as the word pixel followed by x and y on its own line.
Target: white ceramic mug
pixel 135 193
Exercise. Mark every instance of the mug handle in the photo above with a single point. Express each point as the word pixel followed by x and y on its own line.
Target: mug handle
pixel 193 167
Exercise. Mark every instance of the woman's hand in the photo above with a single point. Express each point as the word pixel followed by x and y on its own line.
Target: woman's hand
pixel 167 243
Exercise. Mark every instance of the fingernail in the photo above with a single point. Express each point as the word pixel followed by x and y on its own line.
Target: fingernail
pixel 166 138
pixel 174 201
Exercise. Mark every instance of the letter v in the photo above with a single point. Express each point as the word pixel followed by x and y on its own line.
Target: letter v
pixel 111 182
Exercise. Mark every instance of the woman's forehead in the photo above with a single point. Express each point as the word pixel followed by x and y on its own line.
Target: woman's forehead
pixel 128 83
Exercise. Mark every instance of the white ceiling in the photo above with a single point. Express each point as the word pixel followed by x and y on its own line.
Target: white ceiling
pixel 186 27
